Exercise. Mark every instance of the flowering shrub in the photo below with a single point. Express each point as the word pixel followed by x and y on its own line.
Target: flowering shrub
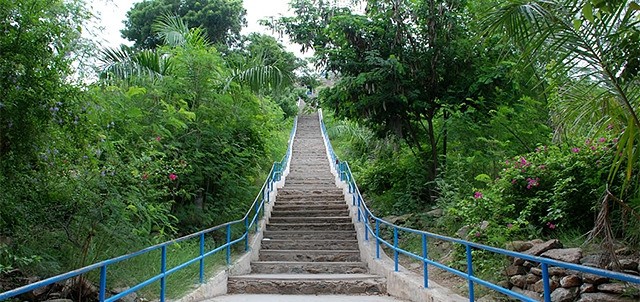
pixel 544 191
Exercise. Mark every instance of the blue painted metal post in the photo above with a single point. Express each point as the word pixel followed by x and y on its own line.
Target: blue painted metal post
pixel 470 273
pixel 395 248
pixel 425 255
pixel 366 226
pixel 377 239
pixel 246 233
pixel 103 283
pixel 229 244
pixel 359 211
pixel 163 270
pixel 202 258
pixel 545 282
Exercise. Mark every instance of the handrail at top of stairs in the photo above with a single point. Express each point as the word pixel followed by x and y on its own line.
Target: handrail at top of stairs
pixel 373 223
pixel 249 221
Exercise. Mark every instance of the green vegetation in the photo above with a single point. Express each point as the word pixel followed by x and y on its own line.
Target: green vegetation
pixel 166 142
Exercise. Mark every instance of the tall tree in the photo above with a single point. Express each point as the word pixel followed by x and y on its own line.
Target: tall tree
pixel 400 63
pixel 221 19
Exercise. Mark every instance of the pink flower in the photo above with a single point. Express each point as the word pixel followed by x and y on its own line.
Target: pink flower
pixel 593 148
pixel 513 181
pixel 532 182
pixel 602 140
pixel 509 225
pixel 551 225
pixel 158 138
pixel 615 140
pixel 145 176
pixel 478 234
pixel 477 195
pixel 575 150
pixel 610 127
pixel 587 142
pixel 542 167
pixel 173 176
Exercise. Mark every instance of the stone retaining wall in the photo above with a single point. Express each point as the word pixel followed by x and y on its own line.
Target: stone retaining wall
pixel 526 277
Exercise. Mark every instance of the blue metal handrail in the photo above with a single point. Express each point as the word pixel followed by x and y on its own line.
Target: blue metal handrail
pixel 249 221
pixel 365 216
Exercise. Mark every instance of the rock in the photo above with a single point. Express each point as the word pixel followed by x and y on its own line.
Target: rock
pixel 602 297
pixel 398 220
pixel 518 281
pixel 594 279
pixel 540 248
pixel 539 286
pixel 38 292
pixel 594 260
pixel 536 241
pixel 437 213
pixel 132 297
pixel 484 225
pixel 59 300
pixel 631 272
pixel 558 271
pixel 625 264
pixel 518 261
pixel 504 284
pixel 529 264
pixel 513 270
pixel 565 294
pixel 463 232
pixel 572 255
pixel 519 246
pixel 536 271
pixel 531 278
pixel 528 293
pixel 588 288
pixel 613 288
pixel 570 281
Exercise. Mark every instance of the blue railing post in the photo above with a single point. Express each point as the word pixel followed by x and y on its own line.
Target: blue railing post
pixel 425 255
pixel 377 239
pixel 359 211
pixel 395 248
pixel 229 244
pixel 470 273
pixel 545 282
pixel 103 283
pixel 201 258
pixel 163 270
pixel 366 226
pixel 246 233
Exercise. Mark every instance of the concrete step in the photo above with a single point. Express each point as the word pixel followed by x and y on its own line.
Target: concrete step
pixel 310 255
pixel 311 220
pixel 309 190
pixel 314 197
pixel 295 267
pixel 310 235
pixel 308 206
pixel 310 203
pixel 327 227
pixel 295 244
pixel 312 284
pixel 309 213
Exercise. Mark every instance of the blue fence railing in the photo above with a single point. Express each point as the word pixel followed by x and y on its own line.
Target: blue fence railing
pixel 373 225
pixel 249 223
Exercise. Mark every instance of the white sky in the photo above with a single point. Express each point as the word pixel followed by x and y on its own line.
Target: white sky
pixel 113 12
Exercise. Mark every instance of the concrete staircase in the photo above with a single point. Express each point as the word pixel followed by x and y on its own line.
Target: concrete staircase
pixel 309 244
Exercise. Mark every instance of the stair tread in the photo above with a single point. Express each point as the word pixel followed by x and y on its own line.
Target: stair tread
pixel 299 277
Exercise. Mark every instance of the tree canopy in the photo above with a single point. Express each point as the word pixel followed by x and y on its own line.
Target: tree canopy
pixel 221 19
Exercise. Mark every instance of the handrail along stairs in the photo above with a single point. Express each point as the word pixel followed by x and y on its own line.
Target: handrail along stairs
pixel 373 223
pixel 249 221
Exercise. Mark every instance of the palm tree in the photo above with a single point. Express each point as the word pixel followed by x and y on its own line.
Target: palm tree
pixel 591 50
pixel 134 65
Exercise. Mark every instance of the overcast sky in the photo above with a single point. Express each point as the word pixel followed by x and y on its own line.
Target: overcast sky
pixel 113 12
